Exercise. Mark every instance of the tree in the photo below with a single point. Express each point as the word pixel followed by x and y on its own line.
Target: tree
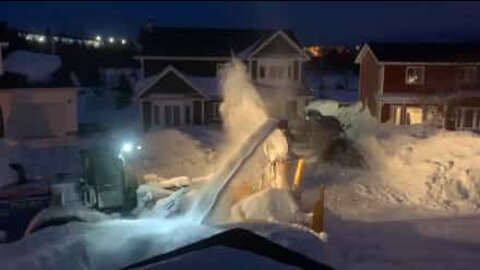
pixel 124 93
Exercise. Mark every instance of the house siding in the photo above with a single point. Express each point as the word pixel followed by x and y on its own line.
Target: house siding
pixel 369 82
pixel 436 79
pixel 17 104
pixel 199 68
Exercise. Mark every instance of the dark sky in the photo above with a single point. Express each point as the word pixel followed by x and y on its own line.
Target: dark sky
pixel 313 22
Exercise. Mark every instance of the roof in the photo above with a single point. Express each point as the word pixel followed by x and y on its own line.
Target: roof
pixel 198 84
pixel 210 86
pixel 25 69
pixel 424 52
pixel 207 42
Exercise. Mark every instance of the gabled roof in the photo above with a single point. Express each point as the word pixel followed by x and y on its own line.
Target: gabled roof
pixel 206 42
pixel 146 84
pixel 423 52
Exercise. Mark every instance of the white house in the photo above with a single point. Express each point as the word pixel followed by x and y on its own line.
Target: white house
pixel 180 67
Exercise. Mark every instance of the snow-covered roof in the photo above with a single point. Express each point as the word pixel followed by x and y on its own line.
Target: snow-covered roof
pixel 208 85
pixel 36 67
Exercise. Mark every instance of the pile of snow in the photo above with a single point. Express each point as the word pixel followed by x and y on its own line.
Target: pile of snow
pixel 439 171
pixel 37 67
pixel 355 119
pixel 170 152
pixel 273 205
pixel 411 165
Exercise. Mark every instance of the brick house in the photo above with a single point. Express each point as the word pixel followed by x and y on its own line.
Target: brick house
pixel 415 83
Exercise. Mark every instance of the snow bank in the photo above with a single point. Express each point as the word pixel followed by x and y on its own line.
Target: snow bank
pixel 410 165
pixel 36 67
pixel 171 152
pixel 356 120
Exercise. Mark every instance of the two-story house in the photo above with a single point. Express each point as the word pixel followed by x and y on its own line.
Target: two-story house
pixel 414 83
pixel 180 69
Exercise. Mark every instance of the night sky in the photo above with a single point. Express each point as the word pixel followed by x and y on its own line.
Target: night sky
pixel 313 22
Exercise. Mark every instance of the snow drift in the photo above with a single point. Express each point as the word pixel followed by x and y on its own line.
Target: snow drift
pixel 411 165
pixel 37 67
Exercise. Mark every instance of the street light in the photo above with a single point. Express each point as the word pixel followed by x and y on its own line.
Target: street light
pixel 111 40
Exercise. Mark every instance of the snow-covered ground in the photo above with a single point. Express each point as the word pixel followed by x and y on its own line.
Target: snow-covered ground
pixel 415 207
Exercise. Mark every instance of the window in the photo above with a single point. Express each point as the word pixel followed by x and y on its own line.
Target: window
pixel 290 72
pixel 275 72
pixel 168 115
pixel 468 74
pixel 216 110
pixel 397 114
pixel 176 115
pixel 414 75
pixel 468 118
pixel 156 115
pixel 187 114
pixel 414 115
pixel 254 70
pixel 262 72
pixel 1 124
pixel 296 70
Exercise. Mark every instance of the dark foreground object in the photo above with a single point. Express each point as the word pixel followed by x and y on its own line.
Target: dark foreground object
pixel 243 240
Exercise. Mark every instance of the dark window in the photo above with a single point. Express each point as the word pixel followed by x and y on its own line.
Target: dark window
pixel 187 114
pixel 176 115
pixel 1 124
pixel 262 72
pixel 147 115
pixel 156 115
pixel 168 115
pixel 254 70
pixel 296 70
pixel 468 121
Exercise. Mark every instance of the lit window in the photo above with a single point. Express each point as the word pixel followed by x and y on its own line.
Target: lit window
pixel 468 74
pixel 414 115
pixel 414 75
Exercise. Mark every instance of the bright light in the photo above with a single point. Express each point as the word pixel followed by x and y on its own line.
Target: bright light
pixel 98 38
pixel 41 39
pixel 111 39
pixel 127 148
pixel 139 147
pixel 124 41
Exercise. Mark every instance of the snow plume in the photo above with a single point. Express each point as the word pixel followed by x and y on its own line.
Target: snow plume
pixel 246 126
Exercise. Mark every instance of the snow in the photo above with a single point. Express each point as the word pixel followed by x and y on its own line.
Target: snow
pixel 207 85
pixel 36 67
pixel 145 83
pixel 273 205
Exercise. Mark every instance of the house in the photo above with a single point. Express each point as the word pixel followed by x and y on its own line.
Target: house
pixel 415 83
pixel 37 99
pixel 179 67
